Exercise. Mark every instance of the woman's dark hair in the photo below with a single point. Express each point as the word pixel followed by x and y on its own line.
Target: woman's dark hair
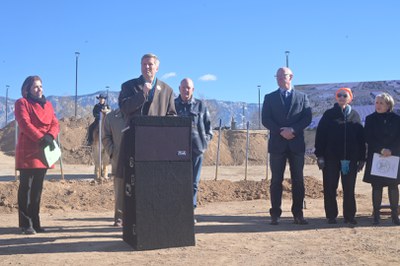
pixel 26 86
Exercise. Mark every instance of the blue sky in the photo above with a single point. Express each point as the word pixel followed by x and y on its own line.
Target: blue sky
pixel 227 47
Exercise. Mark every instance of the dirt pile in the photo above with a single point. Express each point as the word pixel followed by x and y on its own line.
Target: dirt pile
pixel 81 195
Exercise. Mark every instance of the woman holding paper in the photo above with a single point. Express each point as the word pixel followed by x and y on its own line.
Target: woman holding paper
pixel 340 151
pixel 382 134
pixel 38 127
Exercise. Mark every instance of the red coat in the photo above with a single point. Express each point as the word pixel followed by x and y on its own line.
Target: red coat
pixel 33 123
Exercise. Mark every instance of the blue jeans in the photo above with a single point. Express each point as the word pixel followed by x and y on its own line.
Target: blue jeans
pixel 197 161
pixel 278 164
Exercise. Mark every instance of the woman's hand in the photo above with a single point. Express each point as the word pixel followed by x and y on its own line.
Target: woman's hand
pixel 47 140
pixel 386 152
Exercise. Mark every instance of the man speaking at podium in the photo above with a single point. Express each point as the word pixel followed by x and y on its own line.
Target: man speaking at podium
pixel 155 164
pixel 143 96
pixel 147 95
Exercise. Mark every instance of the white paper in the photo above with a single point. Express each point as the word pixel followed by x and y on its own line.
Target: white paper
pixel 52 156
pixel 385 166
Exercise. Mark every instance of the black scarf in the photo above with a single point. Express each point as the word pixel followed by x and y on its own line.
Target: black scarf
pixel 41 101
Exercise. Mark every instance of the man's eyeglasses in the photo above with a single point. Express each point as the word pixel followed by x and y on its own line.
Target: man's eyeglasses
pixel 283 76
pixel 342 95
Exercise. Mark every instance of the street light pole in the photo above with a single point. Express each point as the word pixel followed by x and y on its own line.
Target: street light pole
pixel 259 106
pixel 287 58
pixel 7 87
pixel 76 81
pixel 107 87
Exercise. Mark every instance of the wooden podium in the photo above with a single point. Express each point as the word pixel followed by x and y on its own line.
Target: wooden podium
pixel 158 210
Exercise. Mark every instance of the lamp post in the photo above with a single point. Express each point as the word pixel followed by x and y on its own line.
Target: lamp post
pixel 107 87
pixel 259 106
pixel 244 117
pixel 7 87
pixel 287 58
pixel 76 81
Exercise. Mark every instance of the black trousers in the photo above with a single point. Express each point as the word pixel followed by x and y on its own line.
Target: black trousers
pixel 331 174
pixel 29 195
pixel 278 164
pixel 393 192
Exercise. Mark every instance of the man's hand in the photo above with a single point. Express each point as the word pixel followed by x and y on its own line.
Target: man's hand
pixel 321 163
pixel 106 109
pixel 287 133
pixel 386 152
pixel 146 88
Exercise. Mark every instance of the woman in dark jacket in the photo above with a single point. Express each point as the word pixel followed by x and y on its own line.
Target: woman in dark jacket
pixel 340 151
pixel 38 127
pixel 382 134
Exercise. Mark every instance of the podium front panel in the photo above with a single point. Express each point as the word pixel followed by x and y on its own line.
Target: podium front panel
pixel 158 210
pixel 162 143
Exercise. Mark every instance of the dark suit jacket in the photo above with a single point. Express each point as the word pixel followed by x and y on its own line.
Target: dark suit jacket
pixel 132 100
pixel 274 117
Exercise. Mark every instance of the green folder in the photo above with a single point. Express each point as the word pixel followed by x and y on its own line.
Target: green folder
pixel 52 156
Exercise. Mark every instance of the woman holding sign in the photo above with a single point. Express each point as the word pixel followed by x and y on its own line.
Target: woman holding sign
pixel 382 134
pixel 38 127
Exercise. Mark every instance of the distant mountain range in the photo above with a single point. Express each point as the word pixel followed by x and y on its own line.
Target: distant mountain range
pixel 64 106
pixel 321 96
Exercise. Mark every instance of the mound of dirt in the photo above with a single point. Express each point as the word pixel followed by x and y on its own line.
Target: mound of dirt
pixel 78 195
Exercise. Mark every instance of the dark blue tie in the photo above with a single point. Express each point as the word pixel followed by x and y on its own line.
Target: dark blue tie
pixel 287 98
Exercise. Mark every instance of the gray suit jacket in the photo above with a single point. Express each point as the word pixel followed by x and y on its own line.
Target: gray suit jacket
pixel 114 122
pixel 274 117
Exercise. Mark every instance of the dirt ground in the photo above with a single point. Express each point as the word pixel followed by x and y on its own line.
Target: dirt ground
pixel 232 226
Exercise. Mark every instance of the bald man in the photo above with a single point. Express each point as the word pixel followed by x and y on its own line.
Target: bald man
pixel 187 105
pixel 286 113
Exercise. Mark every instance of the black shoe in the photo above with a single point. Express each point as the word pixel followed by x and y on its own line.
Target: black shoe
pixel 28 231
pixel 377 220
pixel 350 221
pixel 395 219
pixel 332 221
pixel 40 230
pixel 274 220
pixel 300 220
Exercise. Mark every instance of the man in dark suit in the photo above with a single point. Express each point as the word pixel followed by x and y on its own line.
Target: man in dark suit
pixel 286 113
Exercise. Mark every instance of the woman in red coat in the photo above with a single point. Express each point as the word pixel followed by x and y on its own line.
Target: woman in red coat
pixel 38 127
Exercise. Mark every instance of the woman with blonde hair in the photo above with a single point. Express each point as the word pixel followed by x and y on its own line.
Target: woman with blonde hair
pixel 382 134
pixel 38 127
